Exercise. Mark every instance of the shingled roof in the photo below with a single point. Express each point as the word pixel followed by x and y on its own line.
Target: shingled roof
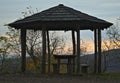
pixel 60 18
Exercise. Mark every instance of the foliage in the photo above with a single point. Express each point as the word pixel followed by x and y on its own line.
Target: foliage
pixel 30 66
pixel 14 40
pixel 4 49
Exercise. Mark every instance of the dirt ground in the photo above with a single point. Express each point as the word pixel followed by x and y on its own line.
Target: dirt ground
pixel 28 78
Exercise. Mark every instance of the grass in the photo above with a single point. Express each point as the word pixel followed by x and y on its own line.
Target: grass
pixel 110 75
pixel 53 78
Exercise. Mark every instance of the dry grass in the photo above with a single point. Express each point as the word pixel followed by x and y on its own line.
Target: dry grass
pixel 35 78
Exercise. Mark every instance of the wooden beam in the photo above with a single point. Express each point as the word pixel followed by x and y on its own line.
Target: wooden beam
pixel 99 51
pixel 74 49
pixel 43 50
pixel 95 49
pixel 49 56
pixel 78 51
pixel 23 50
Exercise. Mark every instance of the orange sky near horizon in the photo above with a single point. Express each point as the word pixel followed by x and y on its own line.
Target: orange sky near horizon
pixel 90 46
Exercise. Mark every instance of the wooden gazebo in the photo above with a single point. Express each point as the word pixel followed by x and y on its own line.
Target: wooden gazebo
pixel 62 18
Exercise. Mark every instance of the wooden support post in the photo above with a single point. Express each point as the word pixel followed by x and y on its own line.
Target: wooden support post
pixel 23 50
pixel 73 41
pixel 99 51
pixel 43 50
pixel 74 49
pixel 78 51
pixel 49 56
pixel 95 49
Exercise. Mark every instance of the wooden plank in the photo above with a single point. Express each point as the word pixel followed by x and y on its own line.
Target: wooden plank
pixel 43 50
pixel 23 50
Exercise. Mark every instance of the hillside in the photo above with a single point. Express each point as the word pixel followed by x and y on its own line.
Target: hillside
pixel 110 61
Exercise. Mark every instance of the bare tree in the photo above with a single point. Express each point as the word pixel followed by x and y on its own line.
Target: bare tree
pixel 33 43
pixel 14 40
pixel 113 34
pixel 4 49
pixel 112 41
pixel 57 43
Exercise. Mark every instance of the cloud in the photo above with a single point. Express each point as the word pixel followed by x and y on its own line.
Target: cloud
pixel 106 9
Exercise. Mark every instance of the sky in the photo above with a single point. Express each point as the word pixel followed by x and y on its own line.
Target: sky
pixel 10 10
